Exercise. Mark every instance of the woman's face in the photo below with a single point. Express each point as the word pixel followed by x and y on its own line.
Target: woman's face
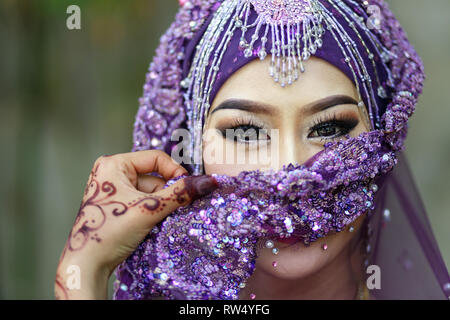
pixel 319 107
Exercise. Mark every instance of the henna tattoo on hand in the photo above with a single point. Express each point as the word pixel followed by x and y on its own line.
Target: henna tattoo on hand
pixel 93 211
pixel 153 207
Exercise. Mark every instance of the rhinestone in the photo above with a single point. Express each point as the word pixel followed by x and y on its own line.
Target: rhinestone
pixel 319 43
pixel 305 55
pixel 155 142
pixel 184 84
pixel 387 214
pixel 248 53
pixel 123 287
pixel 382 92
pixel 163 276
pixel 275 250
pixel 262 54
pixel 405 94
pixel 385 57
pixel 269 244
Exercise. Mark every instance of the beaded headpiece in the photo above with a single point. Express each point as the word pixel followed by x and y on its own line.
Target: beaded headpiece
pixel 291 31
pixel 207 250
pixel 370 48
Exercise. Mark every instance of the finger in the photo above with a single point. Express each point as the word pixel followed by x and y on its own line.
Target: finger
pixel 160 204
pixel 147 161
pixel 186 190
pixel 150 184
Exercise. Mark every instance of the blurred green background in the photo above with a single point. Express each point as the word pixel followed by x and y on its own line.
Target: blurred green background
pixel 69 96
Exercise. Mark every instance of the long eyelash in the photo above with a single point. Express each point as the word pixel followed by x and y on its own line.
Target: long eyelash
pixel 249 121
pixel 330 117
pixel 242 121
pixel 334 118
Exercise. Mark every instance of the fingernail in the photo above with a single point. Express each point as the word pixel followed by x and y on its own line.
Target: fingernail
pixel 180 172
pixel 198 186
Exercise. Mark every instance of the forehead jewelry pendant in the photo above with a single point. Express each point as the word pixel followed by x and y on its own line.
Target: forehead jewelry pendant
pixel 296 31
pixel 295 28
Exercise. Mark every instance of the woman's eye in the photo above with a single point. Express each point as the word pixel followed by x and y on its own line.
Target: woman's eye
pixel 245 134
pixel 332 129
pixel 327 131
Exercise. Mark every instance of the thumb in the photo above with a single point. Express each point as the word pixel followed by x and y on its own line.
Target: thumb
pixel 181 193
pixel 187 190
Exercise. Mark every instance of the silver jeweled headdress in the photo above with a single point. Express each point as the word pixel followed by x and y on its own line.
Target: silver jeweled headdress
pixel 296 29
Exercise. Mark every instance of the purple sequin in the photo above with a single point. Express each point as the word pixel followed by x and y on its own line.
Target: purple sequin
pixel 208 249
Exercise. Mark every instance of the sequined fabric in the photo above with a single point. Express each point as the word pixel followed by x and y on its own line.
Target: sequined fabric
pixel 207 250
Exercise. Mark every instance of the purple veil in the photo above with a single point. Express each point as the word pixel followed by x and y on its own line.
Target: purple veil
pixel 403 242
pixel 399 237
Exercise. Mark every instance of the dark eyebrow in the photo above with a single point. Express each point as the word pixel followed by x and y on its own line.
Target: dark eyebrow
pixel 259 107
pixel 330 102
pixel 245 105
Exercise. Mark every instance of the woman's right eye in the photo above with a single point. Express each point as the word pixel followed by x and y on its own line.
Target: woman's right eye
pixel 245 133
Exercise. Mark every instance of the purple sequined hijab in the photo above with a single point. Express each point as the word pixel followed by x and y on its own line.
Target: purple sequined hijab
pixel 207 250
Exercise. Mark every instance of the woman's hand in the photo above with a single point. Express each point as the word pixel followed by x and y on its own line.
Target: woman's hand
pixel 120 206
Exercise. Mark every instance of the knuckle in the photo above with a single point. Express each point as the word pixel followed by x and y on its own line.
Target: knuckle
pixel 106 162
pixel 102 159
pixel 98 162
pixel 180 194
pixel 159 154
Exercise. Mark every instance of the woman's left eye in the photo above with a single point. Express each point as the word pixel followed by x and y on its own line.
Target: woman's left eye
pixel 332 129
